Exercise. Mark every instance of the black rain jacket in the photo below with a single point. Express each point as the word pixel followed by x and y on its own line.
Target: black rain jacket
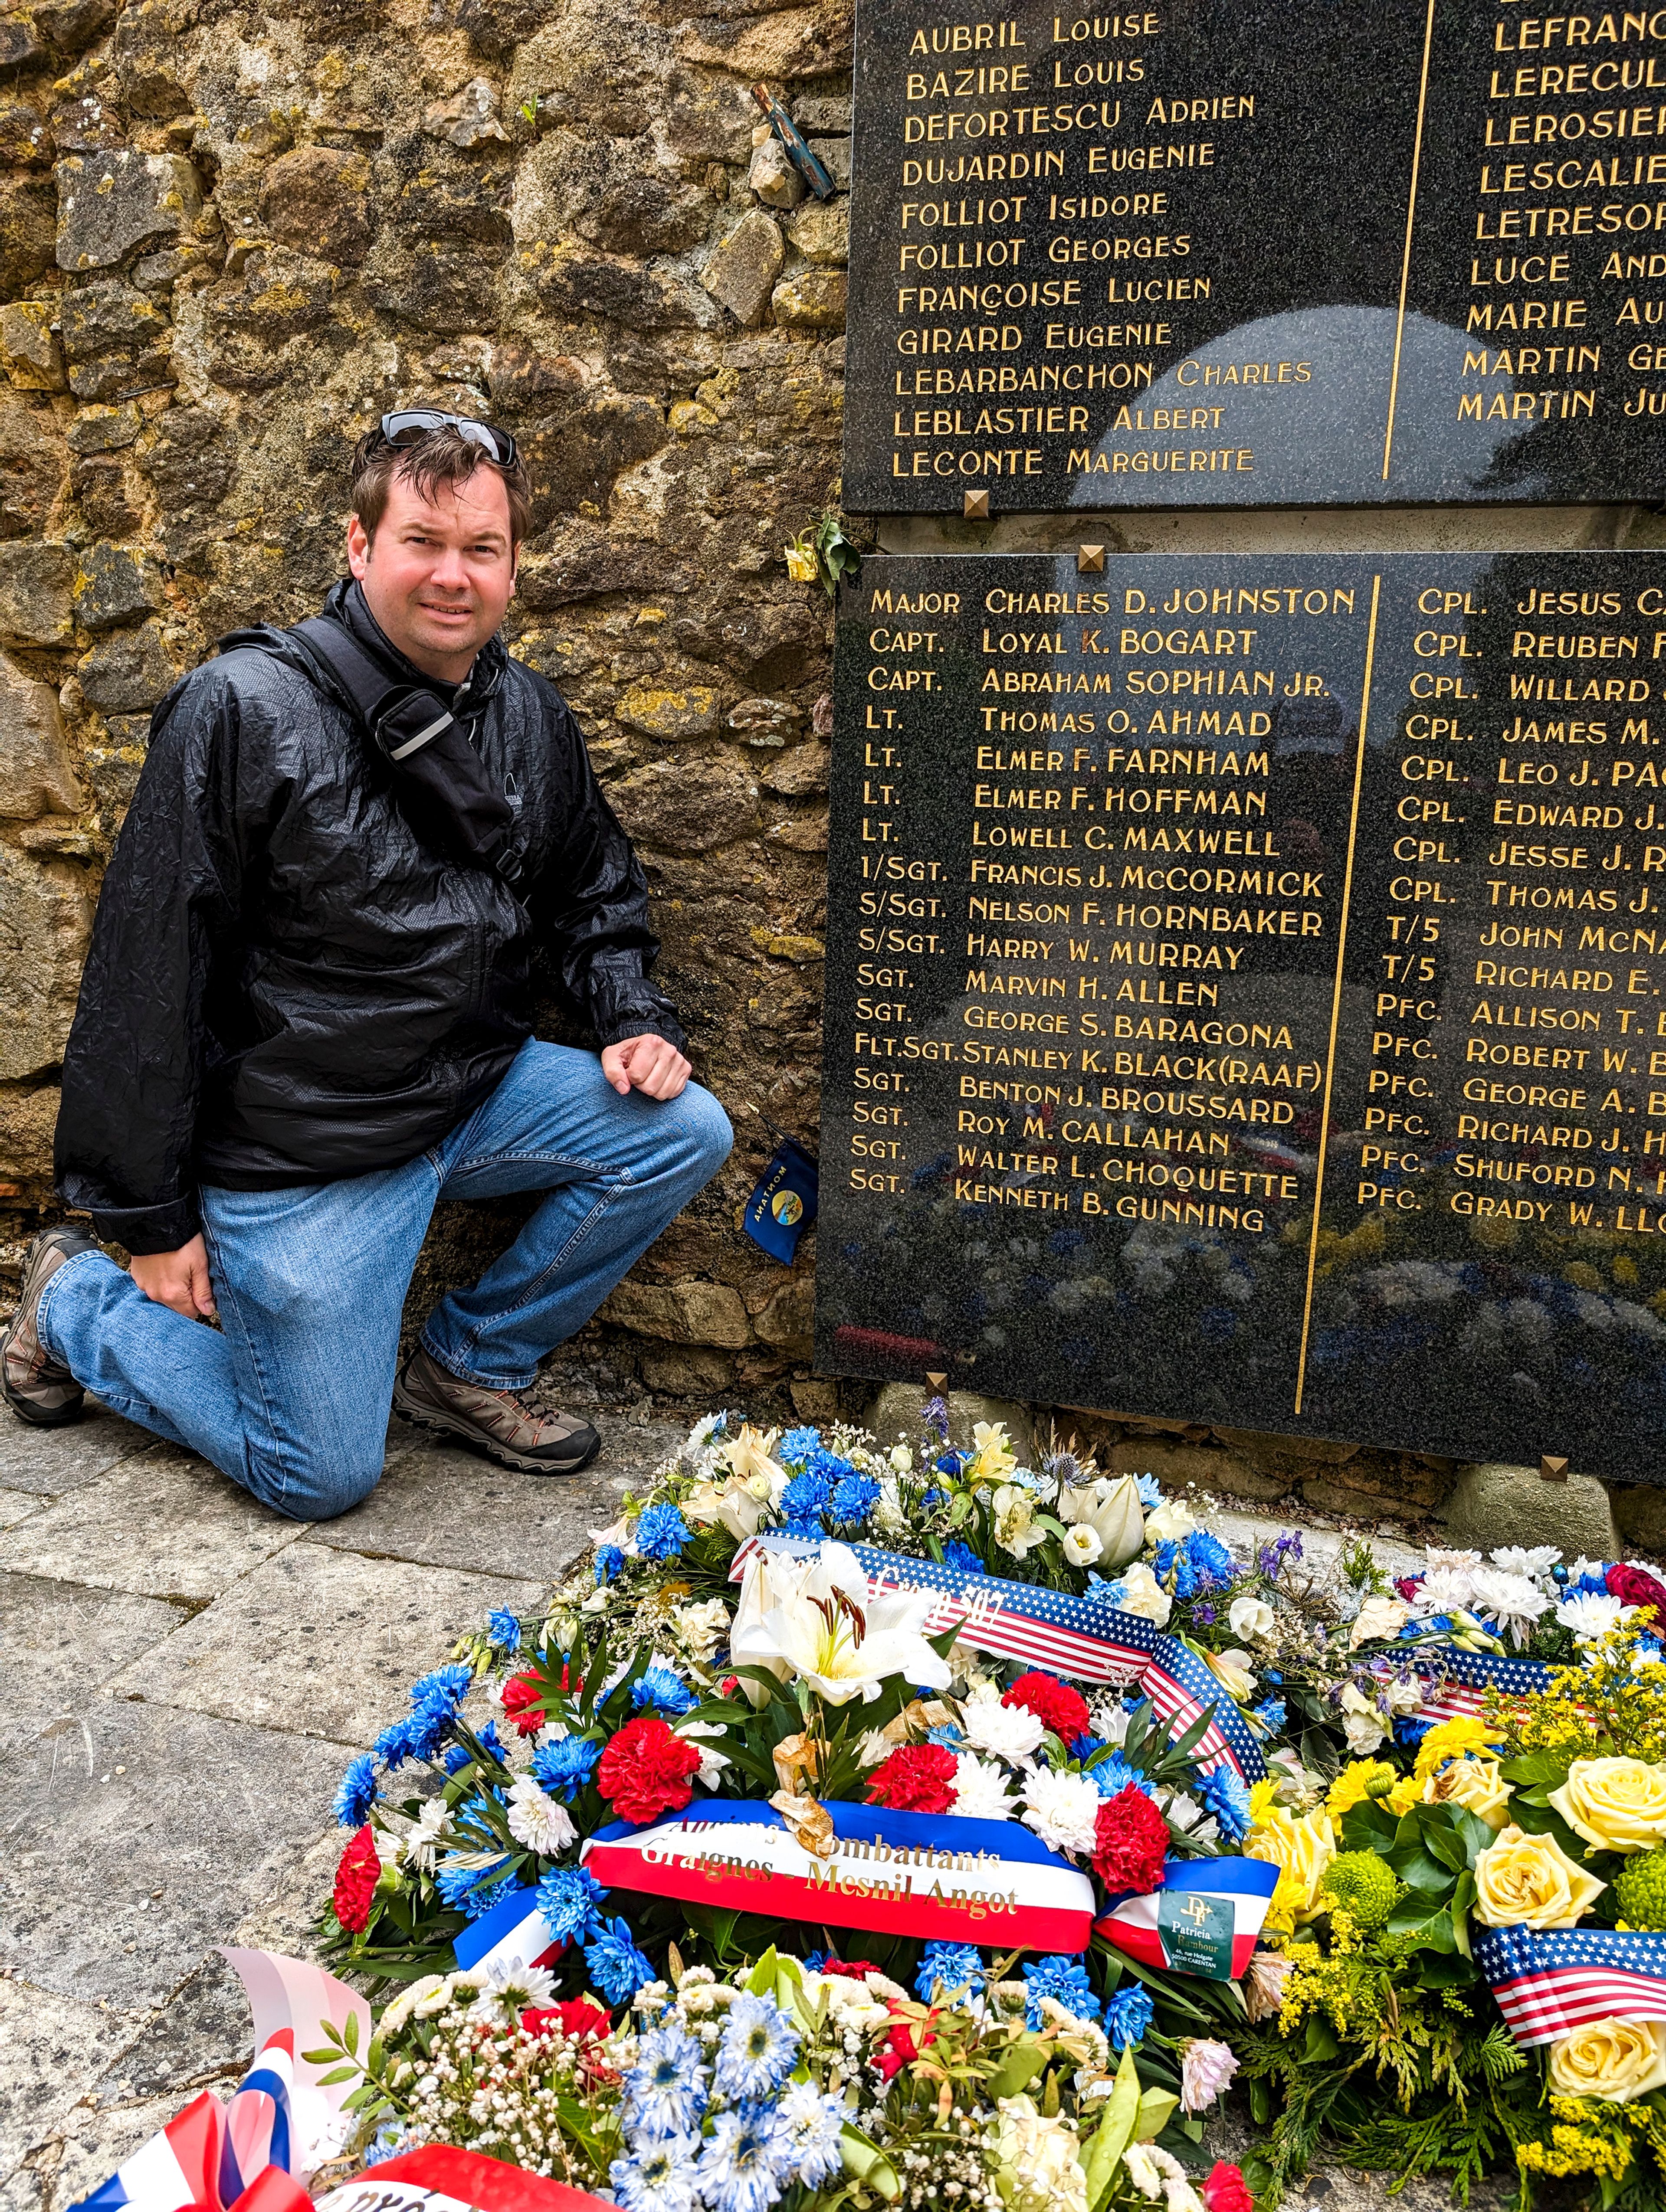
pixel 286 985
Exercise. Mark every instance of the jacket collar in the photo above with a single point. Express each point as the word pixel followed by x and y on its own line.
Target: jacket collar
pixel 346 605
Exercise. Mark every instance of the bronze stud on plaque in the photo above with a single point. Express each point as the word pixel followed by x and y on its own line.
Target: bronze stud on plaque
pixel 1553 1469
pixel 976 506
pixel 1090 560
pixel 936 1381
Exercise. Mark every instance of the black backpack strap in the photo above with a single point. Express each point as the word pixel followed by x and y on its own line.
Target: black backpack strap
pixel 442 782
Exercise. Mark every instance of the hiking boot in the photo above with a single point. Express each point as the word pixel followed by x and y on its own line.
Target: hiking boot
pixel 495 1422
pixel 37 1389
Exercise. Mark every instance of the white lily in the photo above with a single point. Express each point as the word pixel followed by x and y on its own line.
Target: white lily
pixel 815 1619
pixel 732 1502
pixel 747 1458
pixel 1110 1507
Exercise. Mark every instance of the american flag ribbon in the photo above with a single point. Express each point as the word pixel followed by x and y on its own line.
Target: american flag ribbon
pixel 1082 1637
pixel 1470 1675
pixel 1547 1985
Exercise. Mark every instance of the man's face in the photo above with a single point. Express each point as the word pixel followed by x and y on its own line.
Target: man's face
pixel 439 573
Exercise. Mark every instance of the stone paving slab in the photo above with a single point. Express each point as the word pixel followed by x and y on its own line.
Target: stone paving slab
pixel 143 1834
pixel 16 1505
pixel 82 2151
pixel 448 1507
pixel 164 1525
pixel 319 1642
pixel 51 1461
pixel 58 1641
pixel 47 2043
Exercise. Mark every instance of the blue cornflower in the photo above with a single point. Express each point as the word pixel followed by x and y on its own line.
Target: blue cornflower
pixel 663 1692
pixel 855 1498
pixel 951 1968
pixel 1172 1566
pixel 457 1757
pixel 661 1533
pixel 1409 1731
pixel 1066 1981
pixel 950 1463
pixel 1214 1563
pixel 1595 1585
pixel 799 1445
pixel 443 1691
pixel 757 2051
pixel 962 1557
pixel 392 1746
pixel 569 1899
pixel 805 1496
pixel 1110 1775
pixel 666 2090
pixel 658 2177
pixel 931 1499
pixel 1151 1492
pixel 1127 2015
pixel 357 1793
pixel 1224 1794
pixel 609 1561
pixel 1108 1593
pixel 616 1966
pixel 470 1888
pixel 388 2142
pixel 1270 1712
pixel 949 1735
pixel 429 1729
pixel 503 1629
pixel 745 2160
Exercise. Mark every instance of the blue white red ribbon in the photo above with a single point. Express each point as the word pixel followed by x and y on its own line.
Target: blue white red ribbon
pixel 1547 1985
pixel 1471 1675
pixel 936 1876
pixel 1153 1932
pixel 254 2152
pixel 441 2179
pixel 1081 1637
pixel 515 1933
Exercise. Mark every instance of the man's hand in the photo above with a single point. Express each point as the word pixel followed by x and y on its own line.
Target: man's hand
pixel 179 1279
pixel 647 1064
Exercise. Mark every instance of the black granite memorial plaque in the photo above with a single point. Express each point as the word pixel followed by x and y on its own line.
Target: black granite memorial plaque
pixel 1330 251
pixel 1244 993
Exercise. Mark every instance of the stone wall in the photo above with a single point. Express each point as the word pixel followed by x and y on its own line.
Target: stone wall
pixel 227 240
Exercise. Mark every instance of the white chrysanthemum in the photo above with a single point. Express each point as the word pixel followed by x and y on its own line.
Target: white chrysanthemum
pixel 1010 1732
pixel 417 1847
pixel 509 1989
pixel 1437 1555
pixel 980 1788
pixel 872 1745
pixel 1534 1560
pixel 1110 1721
pixel 1444 1589
pixel 1081 1545
pixel 1063 1810
pixel 1515 1601
pixel 542 1823
pixel 1590 1616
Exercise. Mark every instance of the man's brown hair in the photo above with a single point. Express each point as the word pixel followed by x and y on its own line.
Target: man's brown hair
pixel 427 464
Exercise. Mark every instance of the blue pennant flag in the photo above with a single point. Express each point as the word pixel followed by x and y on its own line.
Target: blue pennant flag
pixel 783 1204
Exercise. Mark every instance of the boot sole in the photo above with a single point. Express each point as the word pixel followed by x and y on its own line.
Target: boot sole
pixel 20 1405
pixel 446 1425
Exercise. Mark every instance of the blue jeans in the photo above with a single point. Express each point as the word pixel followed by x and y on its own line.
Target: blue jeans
pixel 291 1395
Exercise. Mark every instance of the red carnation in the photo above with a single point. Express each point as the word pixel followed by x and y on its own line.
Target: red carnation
pixel 1130 1841
pixel 902 2044
pixel 850 1969
pixel 917 1778
pixel 646 1769
pixel 1408 1586
pixel 523 1703
pixel 355 1882
pixel 1633 1587
pixel 1227 2191
pixel 1054 1704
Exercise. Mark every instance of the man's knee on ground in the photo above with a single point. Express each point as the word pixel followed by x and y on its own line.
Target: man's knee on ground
pixel 305 1486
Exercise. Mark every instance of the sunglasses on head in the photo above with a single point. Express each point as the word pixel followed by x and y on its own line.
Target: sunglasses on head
pixel 414 422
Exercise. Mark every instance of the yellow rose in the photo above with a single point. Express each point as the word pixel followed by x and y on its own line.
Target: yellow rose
pixel 1477 1784
pixel 1529 1881
pixel 1617 1804
pixel 1302 1850
pixel 1614 2059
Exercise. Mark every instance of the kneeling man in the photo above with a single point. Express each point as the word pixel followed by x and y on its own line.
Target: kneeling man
pixel 305 1018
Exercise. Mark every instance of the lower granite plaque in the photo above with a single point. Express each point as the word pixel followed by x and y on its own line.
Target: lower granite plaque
pixel 1244 993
